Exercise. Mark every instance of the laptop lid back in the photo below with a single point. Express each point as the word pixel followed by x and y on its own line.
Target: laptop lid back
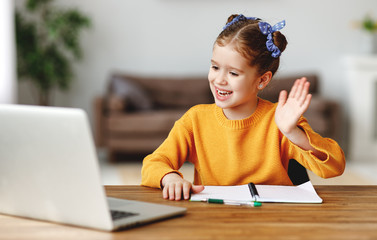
pixel 49 168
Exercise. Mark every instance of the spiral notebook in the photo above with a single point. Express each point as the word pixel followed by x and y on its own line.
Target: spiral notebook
pixel 304 193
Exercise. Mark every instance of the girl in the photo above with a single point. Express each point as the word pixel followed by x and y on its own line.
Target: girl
pixel 242 138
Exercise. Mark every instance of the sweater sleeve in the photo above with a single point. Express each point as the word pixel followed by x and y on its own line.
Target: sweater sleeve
pixel 332 166
pixel 168 157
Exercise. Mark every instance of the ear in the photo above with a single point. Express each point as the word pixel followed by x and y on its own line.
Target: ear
pixel 264 80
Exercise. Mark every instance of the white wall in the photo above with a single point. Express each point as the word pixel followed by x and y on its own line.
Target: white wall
pixel 175 37
pixel 7 53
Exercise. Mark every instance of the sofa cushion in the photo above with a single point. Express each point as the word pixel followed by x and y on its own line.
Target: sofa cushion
pixel 180 93
pixel 134 97
pixel 173 92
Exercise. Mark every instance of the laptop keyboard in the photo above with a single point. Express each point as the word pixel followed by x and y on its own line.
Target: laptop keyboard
pixel 116 215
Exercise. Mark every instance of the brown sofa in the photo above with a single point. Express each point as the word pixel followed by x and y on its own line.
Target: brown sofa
pixel 136 113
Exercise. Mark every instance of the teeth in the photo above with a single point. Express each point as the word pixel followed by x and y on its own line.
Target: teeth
pixel 223 93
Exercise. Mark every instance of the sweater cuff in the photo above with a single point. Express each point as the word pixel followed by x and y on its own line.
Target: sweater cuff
pixel 317 142
pixel 153 178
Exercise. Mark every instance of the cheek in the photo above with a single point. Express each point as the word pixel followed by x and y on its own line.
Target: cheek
pixel 238 86
pixel 211 76
pixel 243 86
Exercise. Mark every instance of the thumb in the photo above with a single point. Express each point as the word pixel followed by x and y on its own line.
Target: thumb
pixel 197 188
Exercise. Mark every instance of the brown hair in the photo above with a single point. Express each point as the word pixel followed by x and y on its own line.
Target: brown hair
pixel 249 41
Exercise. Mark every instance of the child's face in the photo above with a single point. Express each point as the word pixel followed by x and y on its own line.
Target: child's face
pixel 233 82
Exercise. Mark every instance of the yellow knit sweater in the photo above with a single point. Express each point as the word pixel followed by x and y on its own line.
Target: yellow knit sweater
pixel 234 152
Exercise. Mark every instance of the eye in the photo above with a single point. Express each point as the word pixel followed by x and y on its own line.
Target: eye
pixel 234 74
pixel 214 67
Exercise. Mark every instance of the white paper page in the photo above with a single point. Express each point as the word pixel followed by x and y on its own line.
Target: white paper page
pixel 234 193
pixel 304 193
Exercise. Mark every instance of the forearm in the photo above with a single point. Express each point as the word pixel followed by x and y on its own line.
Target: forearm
pixel 154 169
pixel 298 137
pixel 167 158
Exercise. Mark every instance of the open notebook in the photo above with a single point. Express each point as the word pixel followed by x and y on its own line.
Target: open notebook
pixel 304 193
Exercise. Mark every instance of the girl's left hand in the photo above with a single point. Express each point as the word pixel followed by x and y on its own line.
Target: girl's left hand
pixel 289 110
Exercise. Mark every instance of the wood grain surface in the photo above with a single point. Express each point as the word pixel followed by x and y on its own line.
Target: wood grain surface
pixel 347 212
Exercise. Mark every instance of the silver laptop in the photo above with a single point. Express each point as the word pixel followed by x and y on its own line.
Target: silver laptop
pixel 49 171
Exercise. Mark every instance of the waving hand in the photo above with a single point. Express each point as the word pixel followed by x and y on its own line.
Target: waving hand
pixel 290 108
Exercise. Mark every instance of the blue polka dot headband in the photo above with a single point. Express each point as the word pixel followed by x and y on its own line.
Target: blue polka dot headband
pixel 239 18
pixel 266 29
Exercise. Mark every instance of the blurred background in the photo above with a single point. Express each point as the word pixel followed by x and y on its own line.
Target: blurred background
pixel 175 38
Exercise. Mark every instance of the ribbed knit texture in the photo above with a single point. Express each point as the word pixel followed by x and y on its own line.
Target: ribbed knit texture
pixel 233 152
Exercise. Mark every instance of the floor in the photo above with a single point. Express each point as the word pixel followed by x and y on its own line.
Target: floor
pixel 128 173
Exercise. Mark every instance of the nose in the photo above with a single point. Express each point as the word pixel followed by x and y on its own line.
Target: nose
pixel 220 78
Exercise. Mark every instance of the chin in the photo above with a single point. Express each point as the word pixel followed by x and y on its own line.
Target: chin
pixel 221 104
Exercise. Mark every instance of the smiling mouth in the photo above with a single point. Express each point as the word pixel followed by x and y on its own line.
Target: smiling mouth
pixel 223 93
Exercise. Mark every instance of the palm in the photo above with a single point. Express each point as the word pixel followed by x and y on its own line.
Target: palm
pixel 290 108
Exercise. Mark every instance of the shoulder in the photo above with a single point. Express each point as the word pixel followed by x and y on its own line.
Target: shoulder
pixel 266 106
pixel 266 102
pixel 201 109
pixel 198 113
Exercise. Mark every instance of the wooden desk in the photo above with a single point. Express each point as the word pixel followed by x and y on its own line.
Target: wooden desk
pixel 348 212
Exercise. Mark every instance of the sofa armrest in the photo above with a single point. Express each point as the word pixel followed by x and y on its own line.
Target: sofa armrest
pixel 114 104
pixel 104 106
pixel 99 121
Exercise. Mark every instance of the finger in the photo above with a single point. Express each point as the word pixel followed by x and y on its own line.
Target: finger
pixel 305 92
pixel 171 192
pixel 292 93
pixel 178 191
pixel 306 103
pixel 186 190
pixel 282 98
pixel 165 193
pixel 299 89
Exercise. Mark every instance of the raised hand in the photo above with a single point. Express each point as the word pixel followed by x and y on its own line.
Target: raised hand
pixel 291 108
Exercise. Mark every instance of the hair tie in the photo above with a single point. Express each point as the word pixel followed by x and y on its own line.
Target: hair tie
pixel 266 29
pixel 238 18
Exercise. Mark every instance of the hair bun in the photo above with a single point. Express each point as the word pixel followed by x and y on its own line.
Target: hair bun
pixel 279 40
pixel 231 17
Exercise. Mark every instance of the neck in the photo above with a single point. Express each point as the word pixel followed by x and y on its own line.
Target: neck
pixel 241 112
